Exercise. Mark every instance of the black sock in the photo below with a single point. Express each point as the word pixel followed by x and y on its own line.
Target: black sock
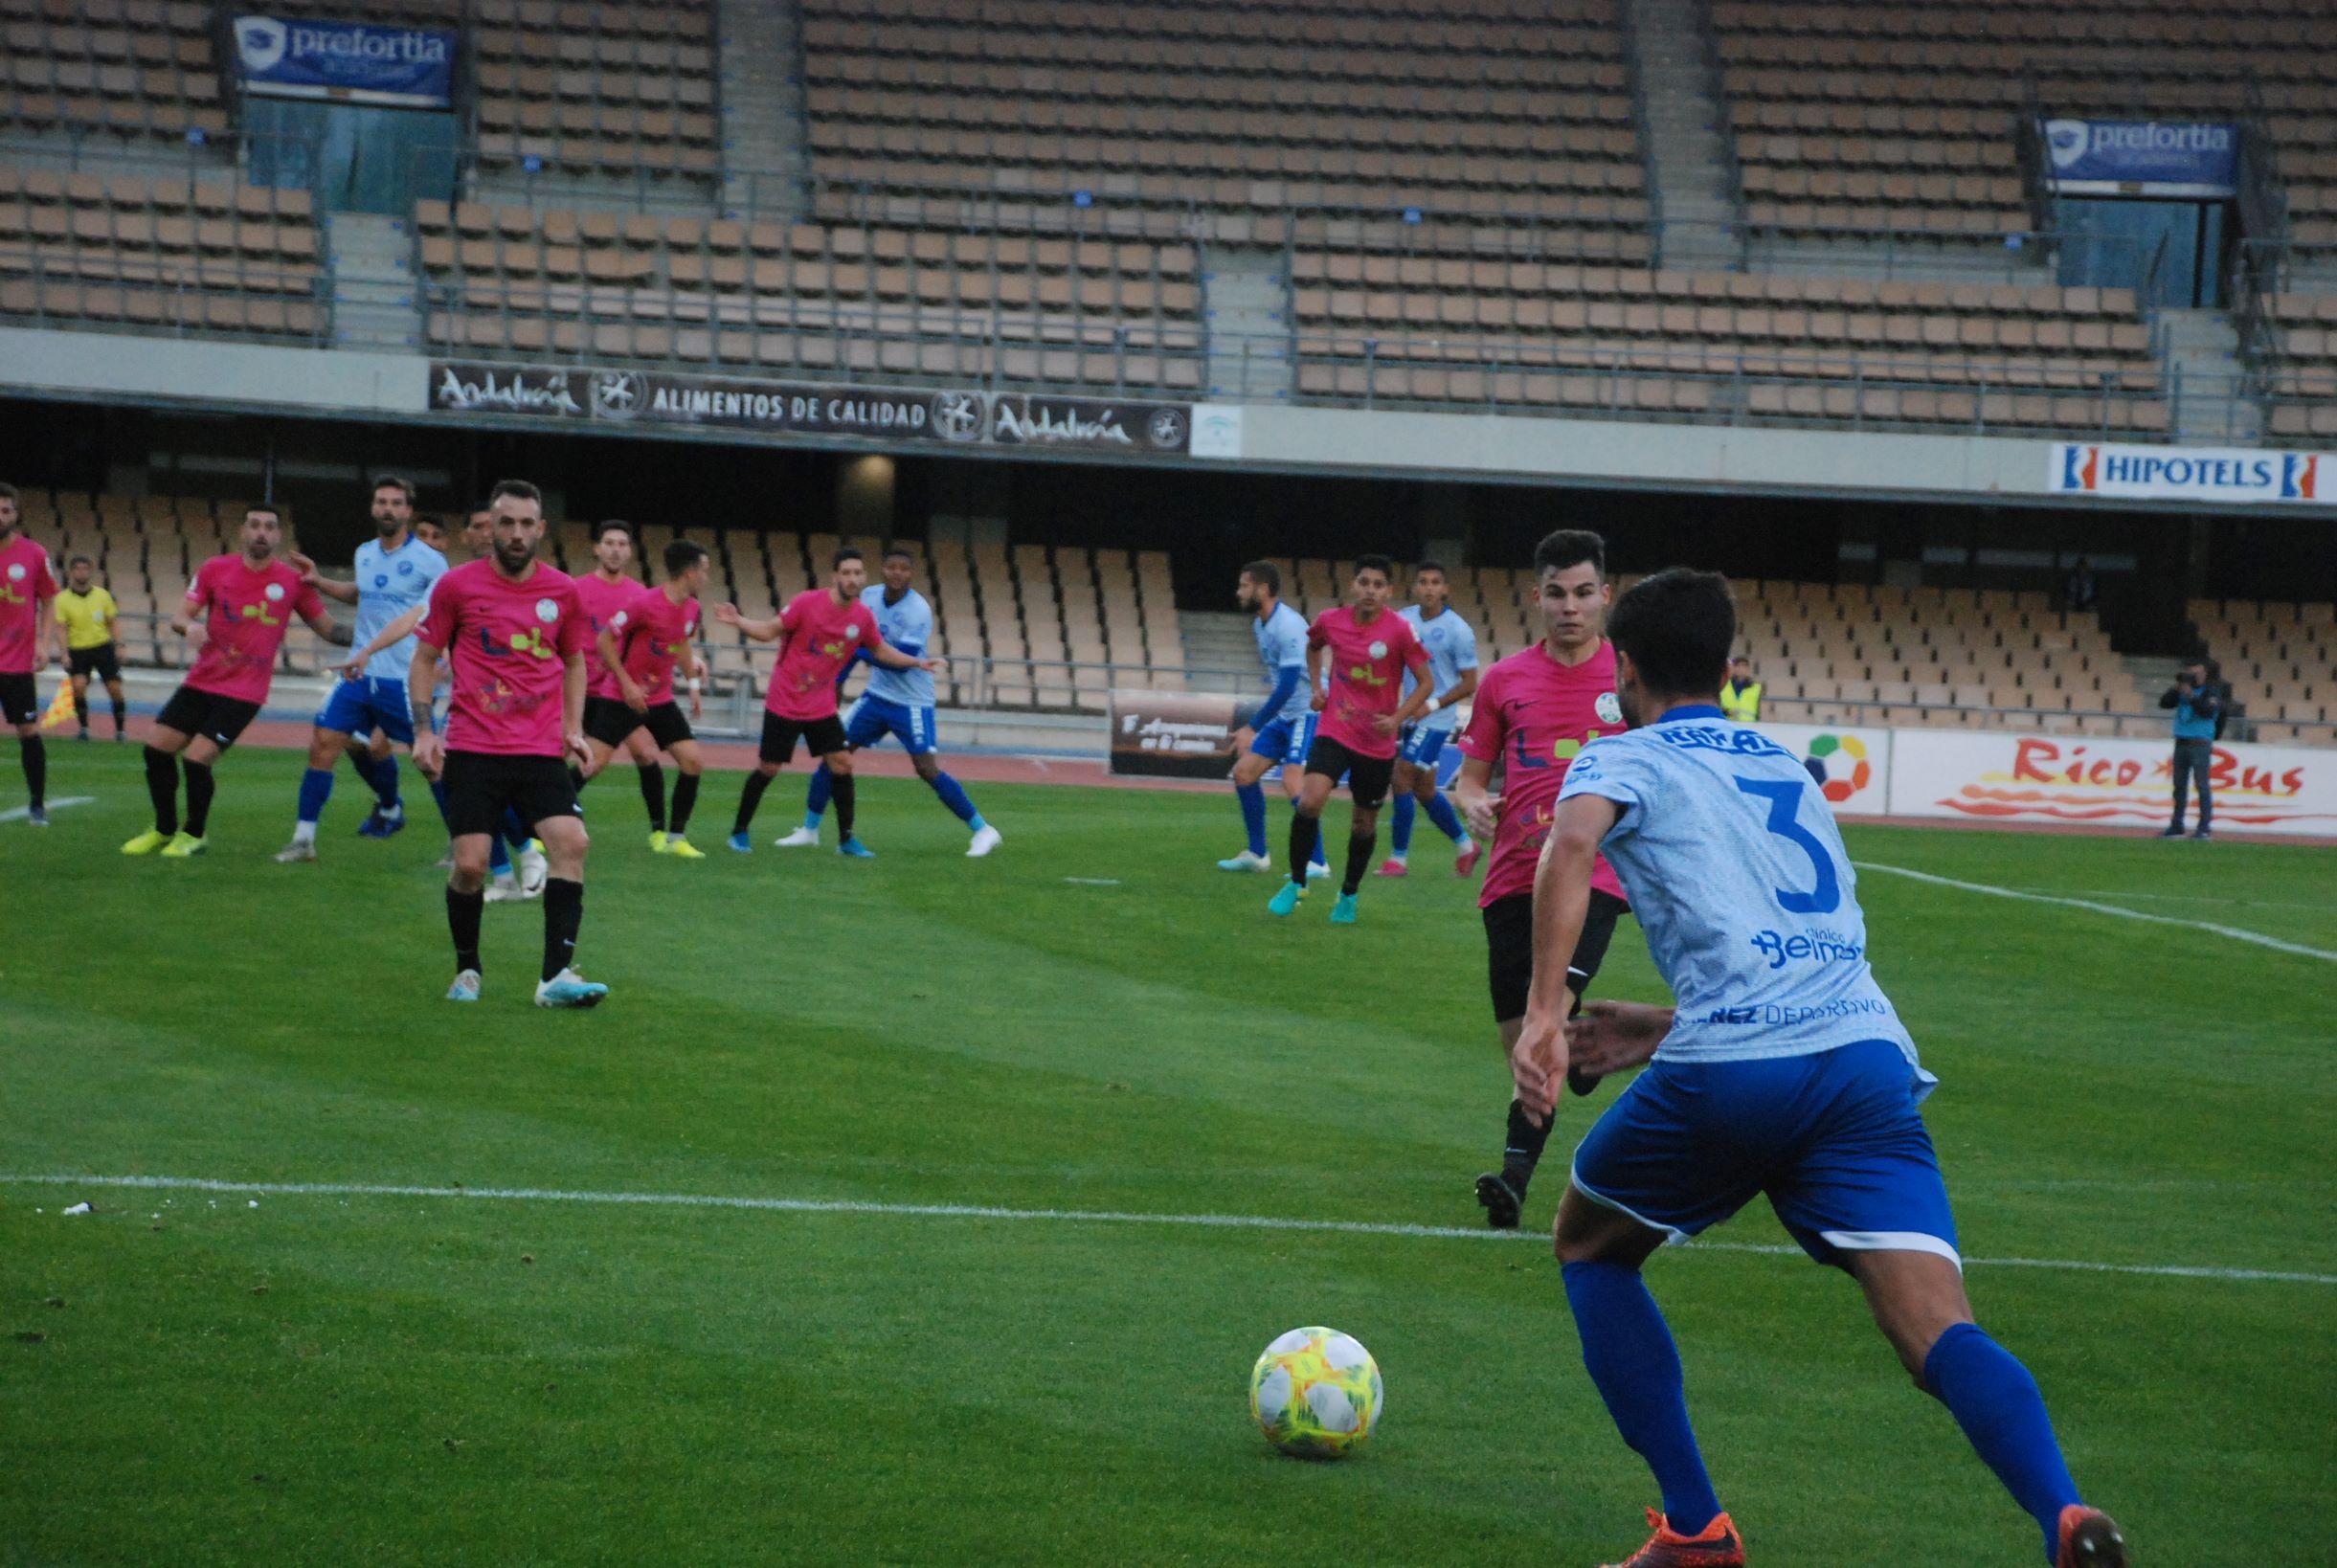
pixel 757 784
pixel 563 918
pixel 80 707
pixel 463 912
pixel 201 786
pixel 162 784
pixel 1359 846
pixel 685 801
pixel 1524 1149
pixel 839 792
pixel 653 795
pixel 122 716
pixel 35 769
pixel 1302 845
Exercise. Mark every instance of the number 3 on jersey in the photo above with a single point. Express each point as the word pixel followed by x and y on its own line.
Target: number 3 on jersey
pixel 1785 800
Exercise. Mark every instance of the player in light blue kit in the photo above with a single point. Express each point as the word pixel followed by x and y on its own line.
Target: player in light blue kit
pixel 1780 1069
pixel 395 574
pixel 898 703
pixel 1452 664
pixel 1278 731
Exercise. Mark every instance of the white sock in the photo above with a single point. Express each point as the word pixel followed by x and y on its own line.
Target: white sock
pixel 303 833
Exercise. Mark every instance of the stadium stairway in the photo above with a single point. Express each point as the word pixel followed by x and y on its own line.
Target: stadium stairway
pixel 1217 641
pixel 369 262
pixel 1689 170
pixel 1245 308
pixel 2202 373
pixel 761 70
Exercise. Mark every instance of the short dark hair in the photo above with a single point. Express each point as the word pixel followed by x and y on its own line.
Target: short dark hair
pixel 1438 567
pixel 844 554
pixel 1569 547
pixel 268 507
pixel 682 555
pixel 516 489
pixel 1380 564
pixel 8 492
pixel 80 560
pixel 1265 574
pixel 486 505
pixel 1677 627
pixel 391 482
pixel 901 550
pixel 618 524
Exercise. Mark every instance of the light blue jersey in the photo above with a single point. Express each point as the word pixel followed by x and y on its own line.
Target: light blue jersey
pixel 1282 644
pixel 389 584
pixel 909 626
pixel 1739 877
pixel 1452 647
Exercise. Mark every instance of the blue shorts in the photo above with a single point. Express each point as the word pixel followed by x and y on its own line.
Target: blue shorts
pixel 1286 741
pixel 1833 1139
pixel 1423 746
pixel 357 707
pixel 873 718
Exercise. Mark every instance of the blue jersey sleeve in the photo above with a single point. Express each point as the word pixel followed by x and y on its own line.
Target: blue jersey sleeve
pixel 1615 769
pixel 1287 680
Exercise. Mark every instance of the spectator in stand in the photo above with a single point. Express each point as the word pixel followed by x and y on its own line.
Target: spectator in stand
pixel 2197 700
pixel 2080 591
pixel 1741 693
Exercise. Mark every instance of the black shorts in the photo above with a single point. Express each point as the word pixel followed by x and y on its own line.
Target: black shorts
pixel 608 720
pixel 822 737
pixel 218 719
pixel 479 785
pixel 104 661
pixel 1509 949
pixel 19 698
pixel 1368 777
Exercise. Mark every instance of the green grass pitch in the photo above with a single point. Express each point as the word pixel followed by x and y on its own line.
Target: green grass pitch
pixel 187 1378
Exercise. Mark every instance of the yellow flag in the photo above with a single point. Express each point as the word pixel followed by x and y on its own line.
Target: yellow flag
pixel 60 708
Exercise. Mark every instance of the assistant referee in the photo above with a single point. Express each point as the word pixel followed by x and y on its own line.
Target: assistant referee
pixel 87 613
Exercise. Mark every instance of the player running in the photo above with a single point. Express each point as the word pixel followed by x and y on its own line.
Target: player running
pixel 1780 1069
pixel 820 633
pixel 1278 731
pixel 245 603
pixel 605 589
pixel 897 703
pixel 1453 667
pixel 87 611
pixel 641 644
pixel 1367 650
pixel 1535 711
pixel 515 631
pixel 394 573
pixel 27 585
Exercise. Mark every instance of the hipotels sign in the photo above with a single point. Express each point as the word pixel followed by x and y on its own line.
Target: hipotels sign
pixel 404 67
pixel 2177 473
pixel 2164 157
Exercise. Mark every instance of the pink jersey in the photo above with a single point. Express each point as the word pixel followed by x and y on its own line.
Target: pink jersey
pixel 248 614
pixel 509 643
pixel 823 636
pixel 1368 665
pixel 652 633
pixel 1532 715
pixel 602 600
pixel 26 586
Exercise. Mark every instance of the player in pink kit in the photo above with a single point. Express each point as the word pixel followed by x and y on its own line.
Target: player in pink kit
pixel 515 632
pixel 27 585
pixel 606 590
pixel 824 629
pixel 642 642
pixel 235 615
pixel 1366 649
pixel 1534 711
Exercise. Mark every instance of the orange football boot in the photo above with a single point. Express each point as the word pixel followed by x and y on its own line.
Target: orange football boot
pixel 1715 1546
pixel 2089 1539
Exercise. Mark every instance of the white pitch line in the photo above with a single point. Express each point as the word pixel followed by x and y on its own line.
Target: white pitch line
pixel 1093 882
pixel 2235 932
pixel 20 813
pixel 1094 1217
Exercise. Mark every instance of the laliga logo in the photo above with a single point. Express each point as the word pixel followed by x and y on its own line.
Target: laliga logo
pixel 2065 141
pixel 261 41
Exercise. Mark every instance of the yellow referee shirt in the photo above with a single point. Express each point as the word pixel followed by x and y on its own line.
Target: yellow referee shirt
pixel 88 619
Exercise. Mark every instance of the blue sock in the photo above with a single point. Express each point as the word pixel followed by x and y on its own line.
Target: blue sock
pixel 1252 797
pixel 316 788
pixel 438 792
pixel 1447 820
pixel 954 797
pixel 385 783
pixel 1399 837
pixel 1995 1401
pixel 499 856
pixel 515 829
pixel 815 797
pixel 1632 1360
pixel 1317 859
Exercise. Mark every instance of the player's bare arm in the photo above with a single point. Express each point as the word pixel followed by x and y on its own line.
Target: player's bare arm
pixel 1610 1036
pixel 1472 793
pixel 353 668
pixel 893 659
pixel 338 591
pixel 422 685
pixel 329 630
pixel 766 630
pixel 1316 697
pixel 630 689
pixel 1561 903
pixel 572 710
pixel 1414 706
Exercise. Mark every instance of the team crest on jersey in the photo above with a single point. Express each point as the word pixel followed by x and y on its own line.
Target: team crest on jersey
pixel 15 571
pixel 1610 707
pixel 405 568
pixel 852 634
pixel 275 591
pixel 381 579
pixel 1377 650
pixel 547 611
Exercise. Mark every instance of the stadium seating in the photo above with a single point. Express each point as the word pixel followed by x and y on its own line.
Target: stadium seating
pixel 139 71
pixel 2296 357
pixel 602 84
pixel 2281 660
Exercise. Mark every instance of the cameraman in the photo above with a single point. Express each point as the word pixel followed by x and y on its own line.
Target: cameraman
pixel 2197 702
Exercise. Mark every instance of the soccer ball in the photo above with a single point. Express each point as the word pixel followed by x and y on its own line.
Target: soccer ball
pixel 1316 1392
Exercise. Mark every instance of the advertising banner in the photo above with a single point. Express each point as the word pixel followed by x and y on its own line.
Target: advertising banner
pixel 2072 779
pixel 1171 735
pixel 347 63
pixel 458 387
pixel 1852 766
pixel 1082 422
pixel 2186 473
pixel 2159 156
